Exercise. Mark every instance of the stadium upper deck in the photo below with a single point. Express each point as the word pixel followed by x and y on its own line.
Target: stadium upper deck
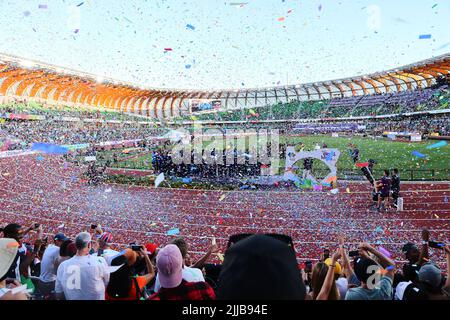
pixel 55 85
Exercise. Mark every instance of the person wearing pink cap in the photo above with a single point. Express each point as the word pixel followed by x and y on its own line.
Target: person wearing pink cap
pixel 173 287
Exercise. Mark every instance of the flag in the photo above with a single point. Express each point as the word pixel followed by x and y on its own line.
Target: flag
pixel 49 148
pixel 362 164
pixel 437 145
pixel 159 179
pixel 173 232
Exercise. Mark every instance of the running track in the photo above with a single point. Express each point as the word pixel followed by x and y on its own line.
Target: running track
pixel 50 192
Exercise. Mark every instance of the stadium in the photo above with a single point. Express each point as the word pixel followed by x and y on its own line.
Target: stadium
pixel 302 177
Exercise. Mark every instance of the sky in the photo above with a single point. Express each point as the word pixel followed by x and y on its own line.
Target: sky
pixel 225 44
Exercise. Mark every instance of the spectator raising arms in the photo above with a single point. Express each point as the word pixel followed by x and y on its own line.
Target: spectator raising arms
pixel 323 279
pixel 123 283
pixel 369 272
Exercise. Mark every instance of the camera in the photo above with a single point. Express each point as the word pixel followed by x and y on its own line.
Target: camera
pixel 135 247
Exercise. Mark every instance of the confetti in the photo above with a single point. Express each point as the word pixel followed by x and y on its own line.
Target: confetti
pixel 425 36
pixel 49 148
pixel 418 154
pixel 437 145
pixel 362 164
pixel 190 26
pixel 384 252
pixel 160 178
pixel 173 232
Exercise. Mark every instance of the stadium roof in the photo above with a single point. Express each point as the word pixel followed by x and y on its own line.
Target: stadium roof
pixel 47 83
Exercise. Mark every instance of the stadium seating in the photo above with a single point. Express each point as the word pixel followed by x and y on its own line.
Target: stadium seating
pixel 376 104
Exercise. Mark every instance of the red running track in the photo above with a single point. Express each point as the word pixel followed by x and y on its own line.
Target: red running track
pixel 50 192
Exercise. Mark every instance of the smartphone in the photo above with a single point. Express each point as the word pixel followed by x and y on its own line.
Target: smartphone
pixel 436 245
pixel 326 254
pixel 36 225
pixel 136 247
pixel 353 253
pixel 93 226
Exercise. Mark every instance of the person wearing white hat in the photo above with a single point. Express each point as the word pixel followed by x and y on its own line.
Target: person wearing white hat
pixel 8 252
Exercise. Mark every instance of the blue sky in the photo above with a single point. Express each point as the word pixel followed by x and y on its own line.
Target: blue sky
pixel 231 46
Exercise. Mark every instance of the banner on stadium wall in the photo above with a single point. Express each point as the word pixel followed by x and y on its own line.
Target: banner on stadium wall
pixel 15 153
pixel 21 116
pixel 325 127
pixel 200 105
pixel 71 119
pixel 112 143
pixel 327 156
pixel 77 146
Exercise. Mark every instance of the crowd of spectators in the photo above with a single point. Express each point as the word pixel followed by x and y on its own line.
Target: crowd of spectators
pixel 259 266
pixel 355 106
pixel 65 133
pixel 49 112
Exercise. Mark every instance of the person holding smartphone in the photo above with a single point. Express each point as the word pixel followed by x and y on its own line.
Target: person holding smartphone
pixel 102 246
pixel 123 283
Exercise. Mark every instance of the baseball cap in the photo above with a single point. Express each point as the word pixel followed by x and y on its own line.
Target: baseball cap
pixel 8 252
pixel 260 267
pixel 362 268
pixel 105 237
pixel 60 237
pixel 408 247
pixel 430 274
pixel 410 291
pixel 170 266
pixel 337 268
pixel 151 248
